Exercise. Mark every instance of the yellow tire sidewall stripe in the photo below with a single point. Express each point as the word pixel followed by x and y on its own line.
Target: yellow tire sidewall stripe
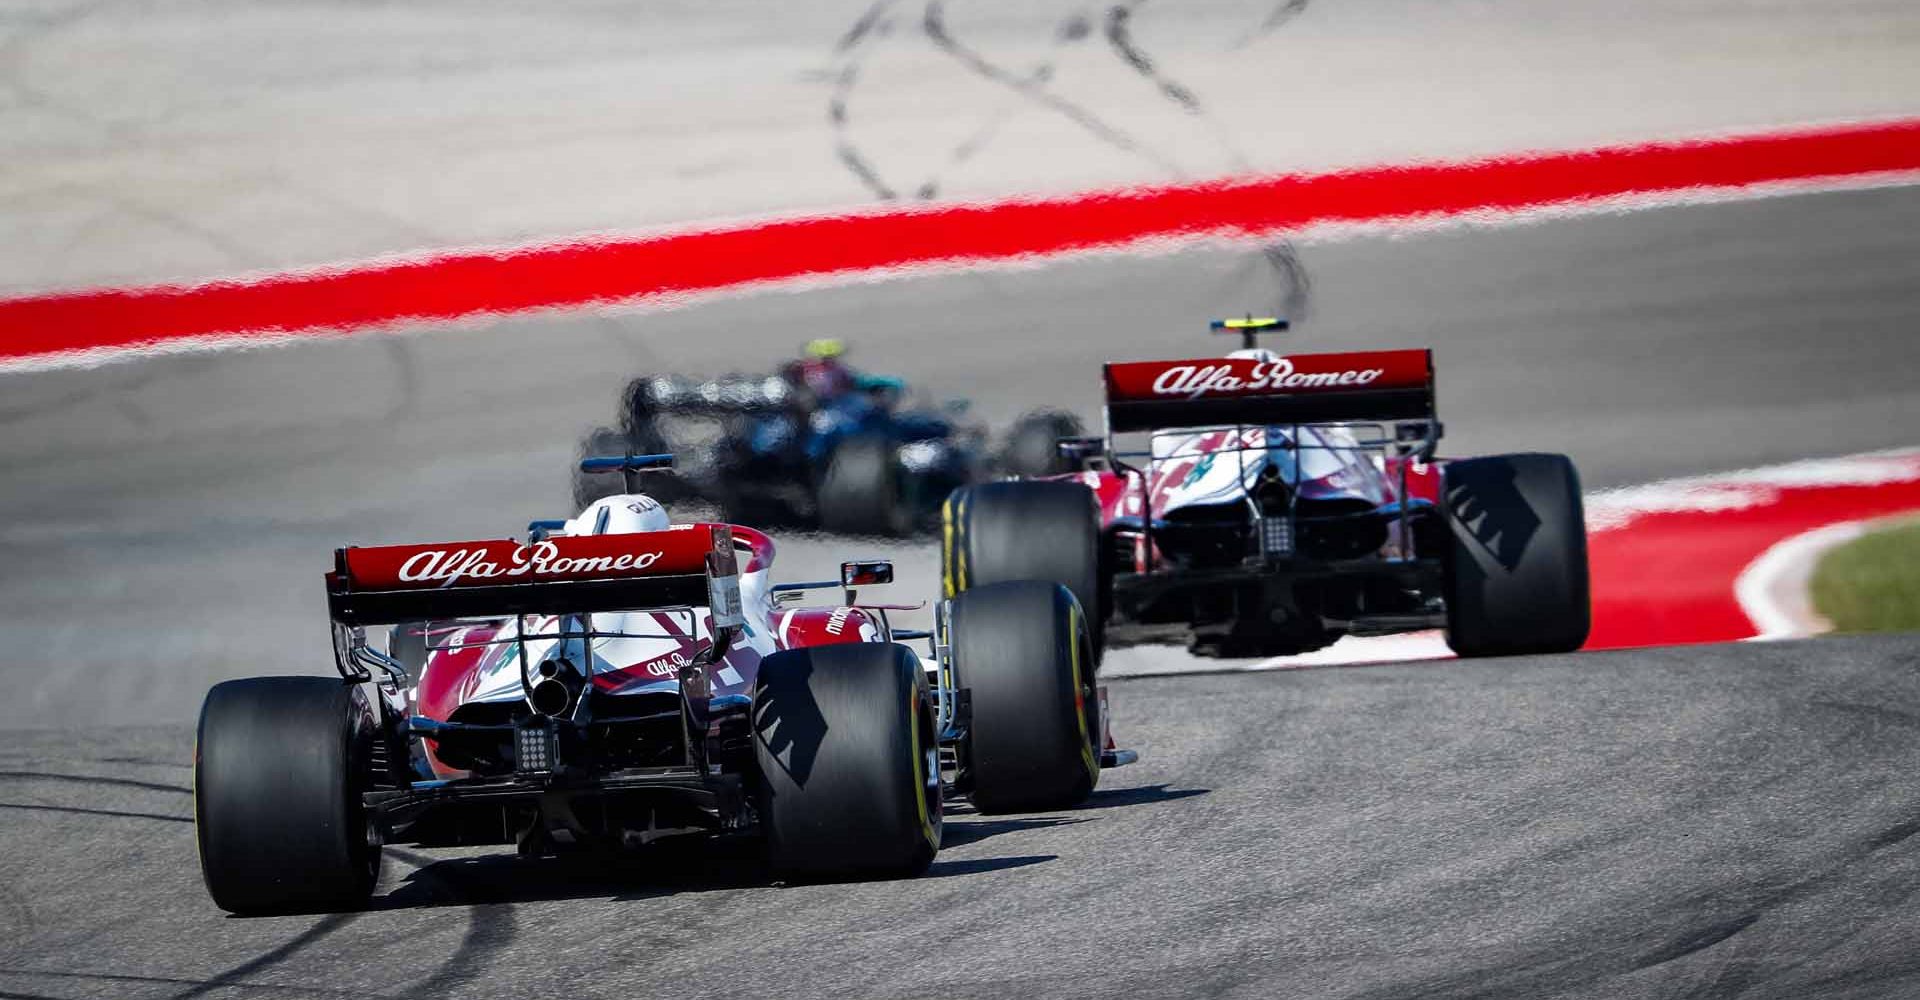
pixel 946 546
pixel 1087 755
pixel 919 765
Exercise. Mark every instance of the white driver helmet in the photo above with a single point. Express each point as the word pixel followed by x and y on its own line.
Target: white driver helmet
pixel 625 513
pixel 1254 354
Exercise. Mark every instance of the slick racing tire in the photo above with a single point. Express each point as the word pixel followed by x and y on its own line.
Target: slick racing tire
pixel 861 493
pixel 1023 653
pixel 407 643
pixel 1033 445
pixel 1027 530
pixel 279 768
pixel 1516 558
pixel 849 761
pixel 639 417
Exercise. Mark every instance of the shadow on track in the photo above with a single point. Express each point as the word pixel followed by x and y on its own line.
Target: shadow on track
pixel 1111 798
pixel 508 878
pixel 972 831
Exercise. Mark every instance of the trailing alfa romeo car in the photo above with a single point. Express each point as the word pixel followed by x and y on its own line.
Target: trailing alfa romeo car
pixel 1262 505
pixel 615 679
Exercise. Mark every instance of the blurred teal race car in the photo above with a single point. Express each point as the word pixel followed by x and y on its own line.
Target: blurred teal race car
pixel 818 444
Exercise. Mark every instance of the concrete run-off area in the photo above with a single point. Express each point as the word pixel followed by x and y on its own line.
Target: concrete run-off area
pixel 183 141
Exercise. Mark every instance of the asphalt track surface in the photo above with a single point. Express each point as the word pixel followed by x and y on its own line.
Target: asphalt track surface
pixel 1708 821
pixel 1713 821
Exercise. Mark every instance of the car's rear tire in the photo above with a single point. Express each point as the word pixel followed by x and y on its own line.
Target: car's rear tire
pixel 1033 444
pixel 1027 530
pixel 861 494
pixel 407 643
pixel 1022 652
pixel 279 767
pixel 639 416
pixel 848 760
pixel 1516 560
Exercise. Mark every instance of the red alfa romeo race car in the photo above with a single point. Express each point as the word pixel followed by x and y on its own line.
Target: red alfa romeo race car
pixel 1264 505
pixel 615 679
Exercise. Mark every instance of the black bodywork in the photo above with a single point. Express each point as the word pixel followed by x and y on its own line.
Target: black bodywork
pixel 762 449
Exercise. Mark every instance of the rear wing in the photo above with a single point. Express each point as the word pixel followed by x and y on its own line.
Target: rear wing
pixel 1299 388
pixel 724 396
pixel 685 566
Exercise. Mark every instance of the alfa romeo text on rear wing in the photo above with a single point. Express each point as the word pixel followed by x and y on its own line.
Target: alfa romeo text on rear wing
pixel 688 565
pixel 1295 389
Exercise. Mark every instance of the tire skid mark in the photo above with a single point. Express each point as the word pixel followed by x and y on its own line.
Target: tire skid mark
pixel 1715 932
pixel 1281 256
pixel 1120 37
pixel 406 367
pixel 1074 28
pixel 1696 941
pixel 1894 836
pixel 843 145
pixel 89 779
pixel 118 977
pixel 12 995
pixel 1281 13
pixel 1119 32
pixel 142 761
pixel 862 27
pixel 869 25
pixel 228 979
pixel 934 24
pixel 32 32
pixel 118 389
pixel 1283 259
pixel 88 811
pixel 402 402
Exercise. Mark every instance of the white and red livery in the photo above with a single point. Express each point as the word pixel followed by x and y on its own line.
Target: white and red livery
pixel 1265 504
pixel 614 679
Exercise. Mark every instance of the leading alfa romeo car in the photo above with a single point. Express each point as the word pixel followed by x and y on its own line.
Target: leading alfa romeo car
pixel 1265 505
pixel 615 679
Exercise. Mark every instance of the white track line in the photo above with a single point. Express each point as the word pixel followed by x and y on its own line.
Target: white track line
pixel 1772 590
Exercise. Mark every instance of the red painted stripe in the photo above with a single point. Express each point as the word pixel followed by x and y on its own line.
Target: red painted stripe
pixel 1668 577
pixel 592 271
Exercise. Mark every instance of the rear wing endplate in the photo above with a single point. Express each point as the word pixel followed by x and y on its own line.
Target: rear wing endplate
pixel 1300 388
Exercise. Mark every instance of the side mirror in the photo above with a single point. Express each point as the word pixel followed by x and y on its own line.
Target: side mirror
pixel 1082 453
pixel 866 573
pixel 863 573
pixel 1081 447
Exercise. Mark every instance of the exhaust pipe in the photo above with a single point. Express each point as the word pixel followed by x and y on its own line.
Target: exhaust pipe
pixel 557 687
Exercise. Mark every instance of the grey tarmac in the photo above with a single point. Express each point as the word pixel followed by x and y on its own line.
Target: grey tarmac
pixel 1712 821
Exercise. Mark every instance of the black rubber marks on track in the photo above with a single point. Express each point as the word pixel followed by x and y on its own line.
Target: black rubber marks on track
pixel 89 779
pixel 1035 88
pixel 875 23
pixel 1120 36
